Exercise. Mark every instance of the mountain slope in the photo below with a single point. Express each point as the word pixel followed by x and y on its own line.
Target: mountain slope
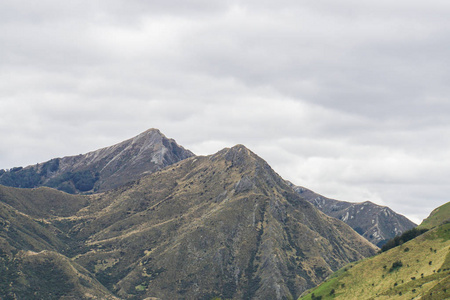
pixel 19 231
pixel 30 245
pixel 376 223
pixel 417 269
pixel 102 169
pixel 47 275
pixel 224 225
pixel 437 217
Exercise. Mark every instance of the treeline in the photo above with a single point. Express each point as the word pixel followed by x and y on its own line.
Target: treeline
pixel 406 236
pixel 28 177
pixel 69 182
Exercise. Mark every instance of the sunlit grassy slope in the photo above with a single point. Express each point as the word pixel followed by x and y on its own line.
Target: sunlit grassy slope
pixel 437 216
pixel 418 269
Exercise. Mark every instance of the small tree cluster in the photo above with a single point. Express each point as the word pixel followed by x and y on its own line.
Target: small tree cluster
pixel 406 236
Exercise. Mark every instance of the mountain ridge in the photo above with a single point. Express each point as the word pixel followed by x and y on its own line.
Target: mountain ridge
pixel 230 214
pixel 376 223
pixel 102 169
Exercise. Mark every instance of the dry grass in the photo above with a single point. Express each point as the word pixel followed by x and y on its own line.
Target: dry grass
pixel 425 270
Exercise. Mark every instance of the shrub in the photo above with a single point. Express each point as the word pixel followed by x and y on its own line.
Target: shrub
pixel 314 297
pixel 396 265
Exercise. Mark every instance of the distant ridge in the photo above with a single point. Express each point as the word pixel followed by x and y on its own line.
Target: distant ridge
pixel 103 169
pixel 376 223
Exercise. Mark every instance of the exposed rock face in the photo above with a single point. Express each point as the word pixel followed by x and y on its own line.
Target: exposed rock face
pixel 376 223
pixel 103 169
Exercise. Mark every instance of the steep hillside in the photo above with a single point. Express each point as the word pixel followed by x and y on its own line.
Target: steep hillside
pixel 103 169
pixel 437 217
pixel 42 202
pixel 224 226
pixel 417 269
pixel 47 275
pixel 376 223
pixel 19 231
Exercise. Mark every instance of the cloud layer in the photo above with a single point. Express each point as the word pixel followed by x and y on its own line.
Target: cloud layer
pixel 347 98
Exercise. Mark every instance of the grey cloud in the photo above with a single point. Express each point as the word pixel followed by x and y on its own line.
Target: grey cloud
pixel 348 98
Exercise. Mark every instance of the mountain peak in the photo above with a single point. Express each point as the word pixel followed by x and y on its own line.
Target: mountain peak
pixel 151 131
pixel 239 147
pixel 238 150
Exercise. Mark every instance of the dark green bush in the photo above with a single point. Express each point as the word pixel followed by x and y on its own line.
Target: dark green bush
pixel 396 265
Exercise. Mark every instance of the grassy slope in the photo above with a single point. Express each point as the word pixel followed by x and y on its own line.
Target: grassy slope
pixel 425 258
pixel 42 202
pixel 437 216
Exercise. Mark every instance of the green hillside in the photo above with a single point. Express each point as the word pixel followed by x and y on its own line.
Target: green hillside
pixel 417 269
pixel 437 216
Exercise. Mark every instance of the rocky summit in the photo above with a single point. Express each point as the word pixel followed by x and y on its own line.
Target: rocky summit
pixel 224 225
pixel 376 223
pixel 103 169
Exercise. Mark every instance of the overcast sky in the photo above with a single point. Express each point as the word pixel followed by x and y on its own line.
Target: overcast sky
pixel 348 98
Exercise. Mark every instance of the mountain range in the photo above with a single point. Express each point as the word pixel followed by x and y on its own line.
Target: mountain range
pixel 147 218
pixel 150 151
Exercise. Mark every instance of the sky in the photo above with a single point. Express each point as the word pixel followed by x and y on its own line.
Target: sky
pixel 347 98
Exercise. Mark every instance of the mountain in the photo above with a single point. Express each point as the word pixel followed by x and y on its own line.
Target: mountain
pixel 101 170
pixel 224 225
pixel 376 223
pixel 416 269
